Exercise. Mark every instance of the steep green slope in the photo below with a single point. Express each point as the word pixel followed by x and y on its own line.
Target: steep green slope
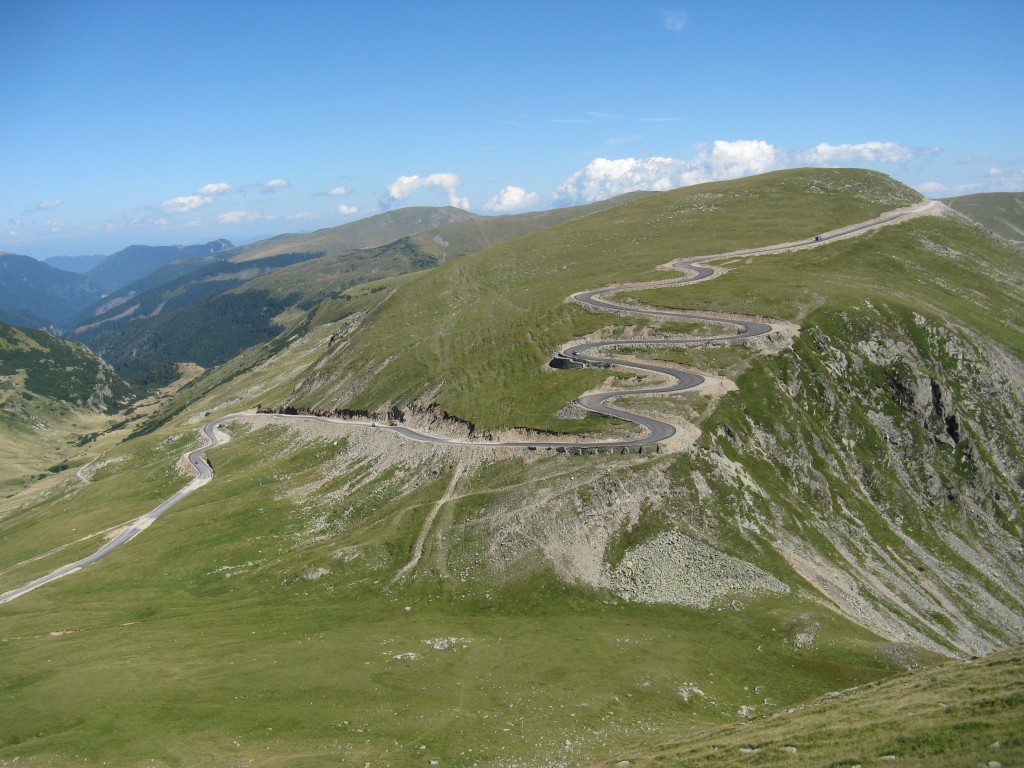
pixel 474 336
pixel 139 302
pixel 956 714
pixel 1001 212
pixel 196 316
pixel 370 232
pixel 318 279
pixel 885 447
pixel 60 370
pixel 52 393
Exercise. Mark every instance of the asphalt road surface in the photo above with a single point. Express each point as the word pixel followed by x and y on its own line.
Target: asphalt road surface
pixel 198 460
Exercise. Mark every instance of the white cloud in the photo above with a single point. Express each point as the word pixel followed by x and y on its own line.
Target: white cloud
pixel 512 198
pixel 239 217
pixel 338 191
pixel 274 184
pixel 46 205
pixel 603 178
pixel 405 186
pixel 930 187
pixel 673 20
pixel 186 203
pixel 300 216
pixel 347 209
pixel 1008 178
pixel 732 159
pixel 868 152
pixel 216 188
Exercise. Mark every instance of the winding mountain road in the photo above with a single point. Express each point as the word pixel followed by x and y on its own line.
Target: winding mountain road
pixel 587 353
pixel 196 458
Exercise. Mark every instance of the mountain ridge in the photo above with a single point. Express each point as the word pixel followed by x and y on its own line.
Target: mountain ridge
pixel 136 261
pixel 35 293
pixel 416 601
pixel 1000 212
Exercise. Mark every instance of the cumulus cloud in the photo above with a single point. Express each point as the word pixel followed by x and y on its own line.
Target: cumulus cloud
pixel 674 21
pixel 338 191
pixel 868 152
pixel 46 205
pixel 186 203
pixel 512 198
pixel 603 178
pixel 216 188
pixel 732 159
pixel 275 184
pixel 405 186
pixel 347 209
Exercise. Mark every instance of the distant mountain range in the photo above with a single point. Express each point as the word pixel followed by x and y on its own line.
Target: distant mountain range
pixel 209 309
pixel 43 294
pixel 34 294
pixel 136 261
pixel 139 307
pixel 77 264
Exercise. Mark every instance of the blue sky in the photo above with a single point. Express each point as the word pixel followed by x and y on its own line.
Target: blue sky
pixel 160 123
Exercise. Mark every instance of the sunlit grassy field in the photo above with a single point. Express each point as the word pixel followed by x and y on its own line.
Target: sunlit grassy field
pixel 207 641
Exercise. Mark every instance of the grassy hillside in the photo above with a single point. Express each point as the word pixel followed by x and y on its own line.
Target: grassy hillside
pixel 1001 212
pixel 956 714
pixel 333 274
pixel 370 232
pixel 885 447
pixel 188 311
pixel 261 621
pixel 475 335
pixel 52 393
pixel 340 596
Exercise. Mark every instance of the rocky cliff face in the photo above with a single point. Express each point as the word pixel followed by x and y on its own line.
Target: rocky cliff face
pixel 883 464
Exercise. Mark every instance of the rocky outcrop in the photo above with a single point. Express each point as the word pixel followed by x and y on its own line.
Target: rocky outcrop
pixel 674 568
pixel 885 467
